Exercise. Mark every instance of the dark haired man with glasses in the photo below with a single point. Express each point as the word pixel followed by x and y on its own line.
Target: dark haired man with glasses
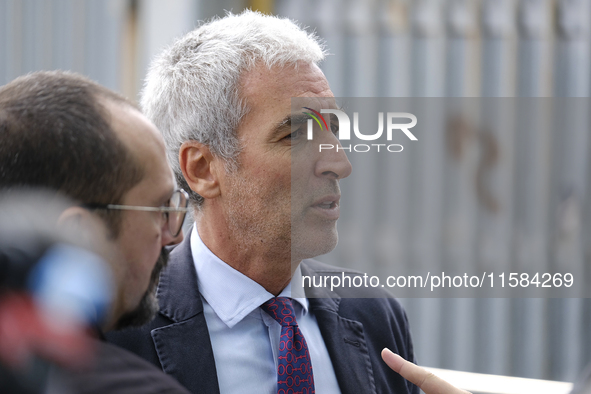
pixel 62 132
pixel 172 215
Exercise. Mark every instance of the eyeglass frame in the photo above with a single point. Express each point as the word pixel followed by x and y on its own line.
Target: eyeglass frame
pixel 165 210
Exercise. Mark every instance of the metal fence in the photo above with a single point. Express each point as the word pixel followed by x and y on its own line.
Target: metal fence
pixel 83 36
pixel 537 206
pixel 529 206
pixel 397 48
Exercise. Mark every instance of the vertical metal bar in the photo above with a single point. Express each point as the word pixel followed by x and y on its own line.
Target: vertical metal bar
pixel 63 33
pixel 393 81
pixel 460 151
pixel 534 73
pixel 570 144
pixel 460 28
pixel 44 22
pixel 458 211
pixel 4 37
pixel 426 164
pixel 532 188
pixel 31 35
pixel 362 54
pixel 498 30
pixel 113 33
pixel 78 32
pixel 93 19
pixel 572 50
pixel 394 49
pixel 15 44
pixel 586 234
pixel 330 28
pixel 427 49
pixel 424 231
pixel 532 144
pixel 570 141
pixel 494 232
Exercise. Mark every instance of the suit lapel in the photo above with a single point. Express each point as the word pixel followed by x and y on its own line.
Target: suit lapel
pixel 345 342
pixel 185 352
pixel 183 347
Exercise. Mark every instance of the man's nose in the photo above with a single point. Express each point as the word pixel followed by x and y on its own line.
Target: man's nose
pixel 332 162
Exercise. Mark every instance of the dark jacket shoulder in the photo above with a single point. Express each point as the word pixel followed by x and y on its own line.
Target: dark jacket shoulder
pixel 380 318
pixel 115 370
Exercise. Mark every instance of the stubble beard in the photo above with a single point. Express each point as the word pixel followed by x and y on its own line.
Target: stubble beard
pixel 259 218
pixel 269 217
pixel 148 306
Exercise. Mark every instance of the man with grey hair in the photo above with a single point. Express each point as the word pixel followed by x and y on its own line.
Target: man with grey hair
pixel 265 202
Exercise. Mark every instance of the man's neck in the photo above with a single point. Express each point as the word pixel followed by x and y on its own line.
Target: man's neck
pixel 269 266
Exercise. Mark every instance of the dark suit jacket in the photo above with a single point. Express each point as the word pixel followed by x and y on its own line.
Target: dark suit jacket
pixel 114 371
pixel 355 331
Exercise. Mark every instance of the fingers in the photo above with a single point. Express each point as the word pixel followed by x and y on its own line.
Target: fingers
pixel 427 382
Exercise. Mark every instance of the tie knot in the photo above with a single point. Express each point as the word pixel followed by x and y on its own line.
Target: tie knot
pixel 281 309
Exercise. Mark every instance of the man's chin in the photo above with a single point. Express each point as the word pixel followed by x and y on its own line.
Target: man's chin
pixel 148 306
pixel 310 247
pixel 144 313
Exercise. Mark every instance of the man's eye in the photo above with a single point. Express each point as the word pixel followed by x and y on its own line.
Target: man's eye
pixel 295 135
pixel 334 127
pixel 168 204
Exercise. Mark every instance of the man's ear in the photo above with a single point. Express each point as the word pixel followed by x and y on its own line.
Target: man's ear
pixel 199 168
pixel 73 218
pixel 87 227
pixel 89 231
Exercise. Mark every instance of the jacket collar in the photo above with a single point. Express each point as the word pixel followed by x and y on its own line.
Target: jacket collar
pixel 179 299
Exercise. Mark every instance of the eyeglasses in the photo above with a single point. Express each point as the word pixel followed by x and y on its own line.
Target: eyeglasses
pixel 174 213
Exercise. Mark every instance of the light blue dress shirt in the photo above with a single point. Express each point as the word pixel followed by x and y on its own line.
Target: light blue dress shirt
pixel 244 338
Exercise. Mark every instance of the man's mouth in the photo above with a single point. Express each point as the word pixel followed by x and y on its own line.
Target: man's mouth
pixel 327 202
pixel 328 206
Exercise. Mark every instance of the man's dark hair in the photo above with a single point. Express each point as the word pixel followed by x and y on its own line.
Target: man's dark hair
pixel 56 133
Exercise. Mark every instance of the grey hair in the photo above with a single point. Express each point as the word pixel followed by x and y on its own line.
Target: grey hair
pixel 192 88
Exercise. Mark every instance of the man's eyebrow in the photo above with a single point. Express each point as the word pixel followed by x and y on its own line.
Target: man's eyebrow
pixel 288 121
pixel 293 119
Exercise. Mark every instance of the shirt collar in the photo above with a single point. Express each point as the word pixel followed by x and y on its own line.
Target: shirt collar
pixel 231 294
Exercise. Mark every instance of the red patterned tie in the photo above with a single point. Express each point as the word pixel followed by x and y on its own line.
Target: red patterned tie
pixel 294 370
